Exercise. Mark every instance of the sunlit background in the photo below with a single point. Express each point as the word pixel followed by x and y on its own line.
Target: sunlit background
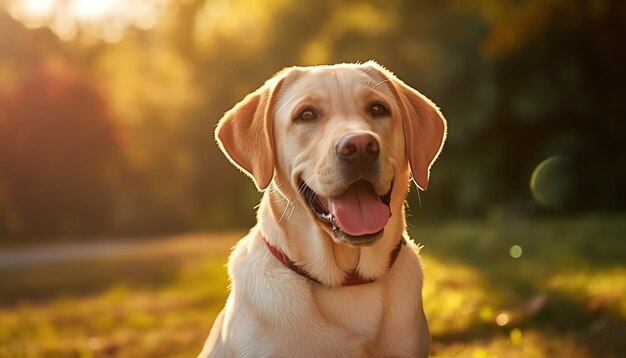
pixel 107 110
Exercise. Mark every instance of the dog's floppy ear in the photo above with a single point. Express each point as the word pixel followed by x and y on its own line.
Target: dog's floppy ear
pixel 424 127
pixel 246 133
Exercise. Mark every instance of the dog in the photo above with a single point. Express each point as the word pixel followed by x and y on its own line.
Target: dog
pixel 328 270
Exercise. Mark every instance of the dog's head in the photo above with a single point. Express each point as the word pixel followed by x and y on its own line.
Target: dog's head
pixel 343 137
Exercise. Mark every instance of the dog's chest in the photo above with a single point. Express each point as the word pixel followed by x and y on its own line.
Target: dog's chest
pixel 358 309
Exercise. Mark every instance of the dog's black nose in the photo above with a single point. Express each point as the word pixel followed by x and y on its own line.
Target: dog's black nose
pixel 359 148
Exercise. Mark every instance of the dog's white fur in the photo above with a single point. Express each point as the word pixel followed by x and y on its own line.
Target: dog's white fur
pixel 274 312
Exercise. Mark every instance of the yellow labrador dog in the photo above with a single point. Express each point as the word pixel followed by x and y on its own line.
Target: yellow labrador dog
pixel 328 270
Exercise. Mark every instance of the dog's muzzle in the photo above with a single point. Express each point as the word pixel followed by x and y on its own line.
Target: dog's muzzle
pixel 357 216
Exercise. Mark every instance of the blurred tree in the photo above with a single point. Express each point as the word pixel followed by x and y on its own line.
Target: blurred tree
pixel 152 92
pixel 558 71
pixel 58 148
pixel 519 81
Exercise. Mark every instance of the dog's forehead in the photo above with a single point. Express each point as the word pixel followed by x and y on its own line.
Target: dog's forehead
pixel 332 79
pixel 339 83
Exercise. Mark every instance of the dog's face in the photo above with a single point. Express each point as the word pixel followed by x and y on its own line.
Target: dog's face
pixel 339 139
pixel 340 136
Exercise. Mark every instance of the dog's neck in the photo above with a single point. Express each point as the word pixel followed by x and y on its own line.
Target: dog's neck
pixel 289 225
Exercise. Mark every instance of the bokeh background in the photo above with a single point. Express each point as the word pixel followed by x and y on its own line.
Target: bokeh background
pixel 107 163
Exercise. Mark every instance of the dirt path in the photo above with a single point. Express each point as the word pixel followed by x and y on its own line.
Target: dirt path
pixel 67 252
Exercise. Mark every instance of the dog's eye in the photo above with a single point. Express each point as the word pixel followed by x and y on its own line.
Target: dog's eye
pixel 306 114
pixel 378 109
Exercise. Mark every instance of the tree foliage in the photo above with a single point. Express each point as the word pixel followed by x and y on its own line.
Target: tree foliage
pixel 58 145
pixel 519 81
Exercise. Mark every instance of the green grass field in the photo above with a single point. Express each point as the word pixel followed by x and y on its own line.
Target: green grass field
pixel 536 288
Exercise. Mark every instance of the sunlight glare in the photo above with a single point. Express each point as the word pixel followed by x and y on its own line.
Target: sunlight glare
pixel 35 11
pixel 89 9
pixel 92 19
pixel 38 7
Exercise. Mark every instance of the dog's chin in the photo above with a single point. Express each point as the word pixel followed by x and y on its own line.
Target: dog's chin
pixel 341 237
pixel 318 206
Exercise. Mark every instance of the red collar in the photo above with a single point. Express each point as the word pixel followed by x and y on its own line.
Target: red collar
pixel 352 277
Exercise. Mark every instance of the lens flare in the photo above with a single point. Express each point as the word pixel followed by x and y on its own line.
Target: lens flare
pixel 515 251
pixel 502 319
pixel 554 183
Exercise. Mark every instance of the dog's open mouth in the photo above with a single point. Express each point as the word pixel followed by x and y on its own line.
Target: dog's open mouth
pixel 357 216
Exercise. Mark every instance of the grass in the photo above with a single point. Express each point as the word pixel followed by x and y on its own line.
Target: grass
pixel 561 298
pixel 152 303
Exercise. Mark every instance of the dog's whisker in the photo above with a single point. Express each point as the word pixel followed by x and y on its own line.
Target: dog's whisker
pixel 277 189
pixel 285 104
pixel 379 83
pixel 299 195
pixel 279 200
pixel 286 207
pixel 302 188
pixel 283 214
pixel 291 203
pixel 293 208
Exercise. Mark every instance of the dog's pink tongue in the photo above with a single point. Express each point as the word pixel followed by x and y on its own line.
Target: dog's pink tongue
pixel 359 211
